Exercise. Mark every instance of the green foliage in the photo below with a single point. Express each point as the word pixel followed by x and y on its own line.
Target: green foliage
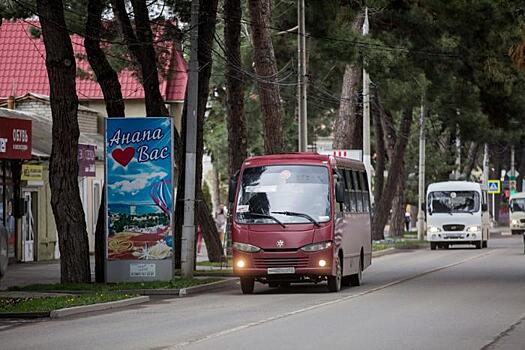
pixel 45 304
pixel 106 287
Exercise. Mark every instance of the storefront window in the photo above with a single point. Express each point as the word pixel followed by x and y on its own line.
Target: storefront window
pixel 7 205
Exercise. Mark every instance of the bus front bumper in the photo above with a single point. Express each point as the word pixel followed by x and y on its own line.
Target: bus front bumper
pixel 454 237
pixel 292 266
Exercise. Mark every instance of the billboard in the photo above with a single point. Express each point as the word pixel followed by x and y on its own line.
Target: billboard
pixel 15 138
pixel 139 201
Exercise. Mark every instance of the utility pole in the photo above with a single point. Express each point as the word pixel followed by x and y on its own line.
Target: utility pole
pixel 302 79
pixel 485 180
pixel 421 184
pixel 366 113
pixel 458 153
pixel 188 228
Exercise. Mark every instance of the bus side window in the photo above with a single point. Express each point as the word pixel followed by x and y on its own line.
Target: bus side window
pixel 357 191
pixel 366 194
pixel 340 207
pixel 351 204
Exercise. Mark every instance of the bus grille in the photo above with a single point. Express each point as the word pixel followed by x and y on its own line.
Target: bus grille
pixel 453 227
pixel 265 263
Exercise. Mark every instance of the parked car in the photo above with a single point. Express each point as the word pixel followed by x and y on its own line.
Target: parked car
pixel 3 250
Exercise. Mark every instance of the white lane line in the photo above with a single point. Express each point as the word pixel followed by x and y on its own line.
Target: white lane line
pixel 326 303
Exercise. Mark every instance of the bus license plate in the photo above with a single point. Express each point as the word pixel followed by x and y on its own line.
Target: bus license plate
pixel 280 270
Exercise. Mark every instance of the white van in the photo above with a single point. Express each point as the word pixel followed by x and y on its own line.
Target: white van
pixel 457 214
pixel 517 213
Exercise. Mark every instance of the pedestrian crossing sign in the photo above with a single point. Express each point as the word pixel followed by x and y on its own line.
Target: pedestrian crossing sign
pixel 494 186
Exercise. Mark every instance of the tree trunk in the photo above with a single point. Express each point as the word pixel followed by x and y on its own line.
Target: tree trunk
pixel 237 137
pixel 346 121
pixel 380 157
pixel 396 165
pixel 472 158
pixel 266 70
pixel 108 81
pixel 397 218
pixel 207 23
pixel 140 44
pixel 63 167
pixel 141 47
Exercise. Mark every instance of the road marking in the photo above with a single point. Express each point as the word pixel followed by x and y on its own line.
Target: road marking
pixel 323 304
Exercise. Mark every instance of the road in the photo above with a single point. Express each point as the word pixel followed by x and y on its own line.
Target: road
pixel 460 298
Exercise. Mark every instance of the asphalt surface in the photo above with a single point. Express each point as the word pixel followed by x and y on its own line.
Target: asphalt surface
pixel 460 298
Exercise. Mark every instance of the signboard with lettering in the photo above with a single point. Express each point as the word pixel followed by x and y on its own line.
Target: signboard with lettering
pixel 86 160
pixel 32 172
pixel 15 138
pixel 139 204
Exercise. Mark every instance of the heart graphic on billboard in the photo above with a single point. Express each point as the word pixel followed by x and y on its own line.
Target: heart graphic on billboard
pixel 123 156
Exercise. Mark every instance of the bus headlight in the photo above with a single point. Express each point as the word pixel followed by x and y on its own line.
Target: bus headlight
pixel 245 247
pixel 434 229
pixel 474 229
pixel 315 247
pixel 514 221
pixel 240 263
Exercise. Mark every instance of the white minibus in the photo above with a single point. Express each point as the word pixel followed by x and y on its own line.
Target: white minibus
pixel 517 213
pixel 457 214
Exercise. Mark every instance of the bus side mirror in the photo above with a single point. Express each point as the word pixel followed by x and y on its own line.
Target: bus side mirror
pixel 339 192
pixel 484 207
pixel 231 189
pixel 423 207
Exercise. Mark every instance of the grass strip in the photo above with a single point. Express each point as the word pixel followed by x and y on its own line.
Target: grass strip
pixel 176 283
pixel 46 304
pixel 398 244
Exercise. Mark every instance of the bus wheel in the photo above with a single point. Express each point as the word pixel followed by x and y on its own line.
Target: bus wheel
pixel 357 278
pixel 334 282
pixel 433 245
pixel 247 285
pixel 477 245
pixel 484 245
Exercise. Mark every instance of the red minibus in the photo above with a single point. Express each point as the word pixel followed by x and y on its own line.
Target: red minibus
pixel 300 217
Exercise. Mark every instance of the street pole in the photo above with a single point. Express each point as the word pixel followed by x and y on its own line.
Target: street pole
pixel 458 153
pixel 485 180
pixel 366 113
pixel 421 184
pixel 188 228
pixel 301 62
pixel 512 164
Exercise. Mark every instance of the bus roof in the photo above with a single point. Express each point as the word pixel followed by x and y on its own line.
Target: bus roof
pixel 454 186
pixel 301 158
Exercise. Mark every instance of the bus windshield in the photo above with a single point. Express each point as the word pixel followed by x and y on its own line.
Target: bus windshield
pixel 453 202
pixel 288 193
pixel 517 204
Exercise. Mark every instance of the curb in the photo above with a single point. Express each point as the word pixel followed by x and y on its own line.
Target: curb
pixel 97 307
pixel 182 291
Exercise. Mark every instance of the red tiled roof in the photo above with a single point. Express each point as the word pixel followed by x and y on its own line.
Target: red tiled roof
pixel 22 68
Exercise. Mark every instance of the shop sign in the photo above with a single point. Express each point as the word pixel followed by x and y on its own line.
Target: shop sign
pixel 86 160
pixel 15 138
pixel 32 172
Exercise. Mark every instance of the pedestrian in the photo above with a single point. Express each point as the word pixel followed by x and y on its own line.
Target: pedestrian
pixel 220 221
pixel 407 220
